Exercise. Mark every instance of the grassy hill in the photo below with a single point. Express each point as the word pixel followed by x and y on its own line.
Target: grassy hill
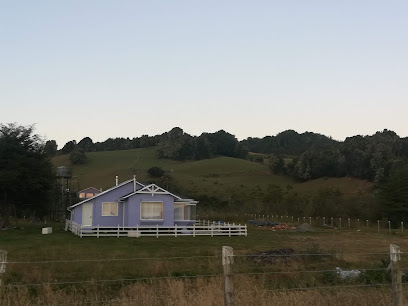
pixel 220 177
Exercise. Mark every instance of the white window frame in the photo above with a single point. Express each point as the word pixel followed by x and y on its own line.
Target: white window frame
pixel 162 210
pixel 184 211
pixel 82 195
pixel 117 209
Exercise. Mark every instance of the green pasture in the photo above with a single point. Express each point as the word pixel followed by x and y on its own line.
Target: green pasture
pixel 219 177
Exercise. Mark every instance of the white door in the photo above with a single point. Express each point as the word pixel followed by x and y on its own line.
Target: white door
pixel 87 214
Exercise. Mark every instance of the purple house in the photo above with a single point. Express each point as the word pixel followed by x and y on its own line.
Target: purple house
pixel 131 204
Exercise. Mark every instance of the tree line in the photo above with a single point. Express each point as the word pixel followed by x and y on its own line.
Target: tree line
pixel 371 158
pixel 175 144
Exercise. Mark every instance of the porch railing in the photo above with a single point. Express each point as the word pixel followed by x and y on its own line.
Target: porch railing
pixel 201 228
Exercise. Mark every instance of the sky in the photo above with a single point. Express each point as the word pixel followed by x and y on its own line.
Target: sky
pixel 253 68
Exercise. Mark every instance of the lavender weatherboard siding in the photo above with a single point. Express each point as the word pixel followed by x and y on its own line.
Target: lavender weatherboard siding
pixel 132 209
pixel 112 196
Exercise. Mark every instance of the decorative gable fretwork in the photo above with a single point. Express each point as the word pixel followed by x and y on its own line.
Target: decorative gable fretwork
pixel 153 189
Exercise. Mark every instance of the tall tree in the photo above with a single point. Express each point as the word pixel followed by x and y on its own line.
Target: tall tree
pixel 26 174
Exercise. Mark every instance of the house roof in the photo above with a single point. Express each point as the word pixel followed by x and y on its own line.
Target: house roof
pixel 90 188
pixel 154 189
pixel 106 191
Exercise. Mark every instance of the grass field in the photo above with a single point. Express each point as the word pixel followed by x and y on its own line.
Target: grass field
pixel 219 177
pixel 177 258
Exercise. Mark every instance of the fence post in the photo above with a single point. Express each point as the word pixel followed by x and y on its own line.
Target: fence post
pixel 227 261
pixel 324 220
pixel 3 263
pixel 193 230
pixel 402 227
pixel 389 227
pixel 339 223
pixel 395 257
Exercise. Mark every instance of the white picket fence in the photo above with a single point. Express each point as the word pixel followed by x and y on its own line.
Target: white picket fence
pixel 201 228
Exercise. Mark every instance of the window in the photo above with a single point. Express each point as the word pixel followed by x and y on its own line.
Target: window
pixel 109 209
pixel 89 195
pixel 184 211
pixel 82 195
pixel 151 211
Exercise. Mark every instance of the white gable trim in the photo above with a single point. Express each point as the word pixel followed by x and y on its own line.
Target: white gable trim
pixel 104 192
pixel 152 189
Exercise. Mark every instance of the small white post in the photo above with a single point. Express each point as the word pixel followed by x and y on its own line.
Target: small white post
pixel 227 262
pixel 118 230
pixel 80 231
pixel 193 230
pixel 157 231
pixel 358 223
pixel 292 219
pixel 175 230
pixel 310 221
pixel 402 226
pixel 367 223
pixel 339 223
pixel 212 233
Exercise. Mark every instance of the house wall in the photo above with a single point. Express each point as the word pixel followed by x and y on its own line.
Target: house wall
pixel 111 196
pixel 132 210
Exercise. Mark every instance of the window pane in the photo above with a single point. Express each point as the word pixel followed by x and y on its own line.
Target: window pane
pixel 152 210
pixel 179 211
pixel 89 195
pixel 109 209
pixel 82 195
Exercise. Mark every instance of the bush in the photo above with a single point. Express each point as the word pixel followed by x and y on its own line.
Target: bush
pixel 156 172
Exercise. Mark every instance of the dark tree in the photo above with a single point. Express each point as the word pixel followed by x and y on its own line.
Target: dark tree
pixel 156 172
pixel 86 144
pixel 78 157
pixel 50 148
pixel 393 195
pixel 69 147
pixel 27 176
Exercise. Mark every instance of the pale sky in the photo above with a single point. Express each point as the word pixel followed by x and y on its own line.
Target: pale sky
pixel 253 68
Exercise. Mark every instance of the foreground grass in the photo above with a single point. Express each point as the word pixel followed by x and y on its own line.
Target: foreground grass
pixel 168 270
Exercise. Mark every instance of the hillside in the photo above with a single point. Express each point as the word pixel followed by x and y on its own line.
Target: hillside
pixel 220 177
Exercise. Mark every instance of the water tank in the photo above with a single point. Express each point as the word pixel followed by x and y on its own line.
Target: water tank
pixel 63 172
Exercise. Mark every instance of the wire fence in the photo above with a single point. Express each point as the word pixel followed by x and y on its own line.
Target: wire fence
pixel 242 261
